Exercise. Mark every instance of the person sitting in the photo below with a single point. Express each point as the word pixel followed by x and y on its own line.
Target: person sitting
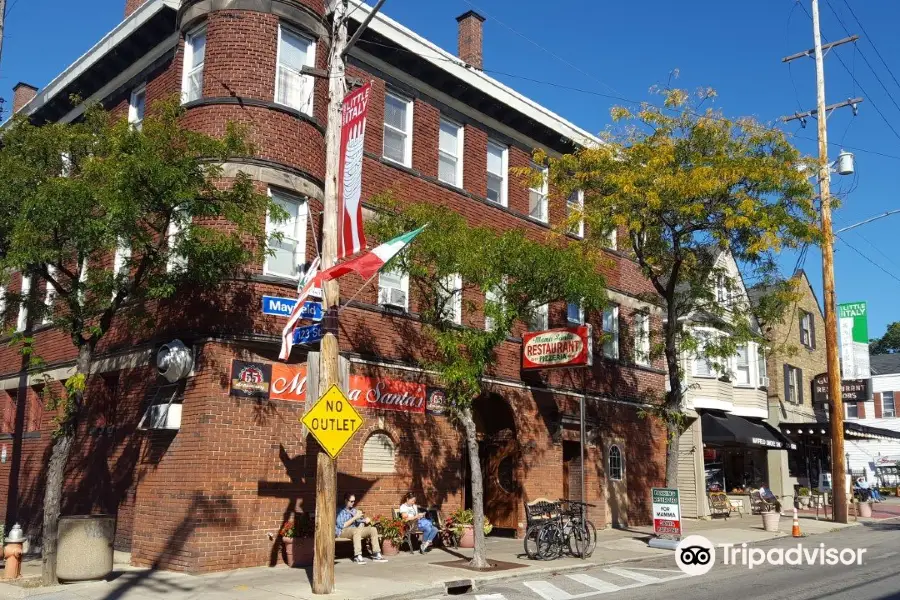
pixel 410 513
pixel 352 524
pixel 866 491
pixel 769 496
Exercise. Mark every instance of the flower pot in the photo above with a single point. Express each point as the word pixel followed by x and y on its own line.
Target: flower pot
pixel 390 548
pixel 865 509
pixel 467 539
pixel 804 501
pixel 771 520
pixel 298 552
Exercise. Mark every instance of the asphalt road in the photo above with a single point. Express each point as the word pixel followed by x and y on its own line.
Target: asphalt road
pixel 877 578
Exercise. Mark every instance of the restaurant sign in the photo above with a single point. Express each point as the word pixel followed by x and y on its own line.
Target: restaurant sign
pixel 557 348
pixel 666 513
pixel 852 390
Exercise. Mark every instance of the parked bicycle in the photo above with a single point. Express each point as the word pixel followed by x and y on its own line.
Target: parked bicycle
pixel 563 530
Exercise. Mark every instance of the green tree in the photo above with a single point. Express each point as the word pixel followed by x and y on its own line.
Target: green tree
pixel 686 184
pixel 521 273
pixel 72 195
pixel 889 342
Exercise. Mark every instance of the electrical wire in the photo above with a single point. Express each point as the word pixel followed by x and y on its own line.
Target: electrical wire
pixel 787 38
pixel 871 41
pixel 855 249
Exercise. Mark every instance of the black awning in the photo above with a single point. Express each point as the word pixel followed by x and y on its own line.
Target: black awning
pixel 788 443
pixel 730 430
pixel 851 431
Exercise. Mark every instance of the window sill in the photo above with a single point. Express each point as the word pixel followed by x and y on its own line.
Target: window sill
pixel 397 163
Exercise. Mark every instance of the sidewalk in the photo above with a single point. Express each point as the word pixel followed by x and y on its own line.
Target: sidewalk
pixel 404 576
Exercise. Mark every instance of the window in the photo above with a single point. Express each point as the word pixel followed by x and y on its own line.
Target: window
pixel 613 239
pixel 742 365
pixel 137 106
pixel 194 59
pixel 2 307
pixel 574 313
pixel 611 332
pixel 497 162
pixel 540 318
pixel 450 296
pixel 393 289
pixel 793 384
pixel 290 252
pixel 398 120
pixel 616 463
pixel 49 297
pixel 852 410
pixel 493 297
pixel 292 88
pixel 807 330
pixel 703 365
pixel 722 289
pixel 642 338
pixel 537 196
pixel 450 153
pixel 176 227
pixel 121 257
pixel 762 368
pixel 888 410
pixel 82 279
pixel 379 454
pixel 22 319
pixel 574 212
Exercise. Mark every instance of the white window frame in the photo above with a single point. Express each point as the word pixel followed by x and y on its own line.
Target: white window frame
pixel 855 414
pixel 504 167
pixel 611 314
pixel 738 367
pixel 120 261
pixel 642 338
pixel 404 287
pixel 460 146
pixel 49 297
pixel 538 197
pixel 491 295
pixel 300 226
pixel 2 305
pixel 575 202
pixel 134 119
pixel 806 329
pixel 453 305
pixel 408 134
pixel 710 369
pixel 540 318
pixel 621 460
pixel 22 317
pixel 762 367
pixel 308 80
pixel 884 410
pixel 187 71
pixel 612 241
pixel 793 385
pixel 579 310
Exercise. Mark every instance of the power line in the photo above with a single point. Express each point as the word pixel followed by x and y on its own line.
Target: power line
pixel 871 41
pixel 852 247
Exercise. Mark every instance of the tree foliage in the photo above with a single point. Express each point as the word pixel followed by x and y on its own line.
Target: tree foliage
pixel 689 187
pixel 889 343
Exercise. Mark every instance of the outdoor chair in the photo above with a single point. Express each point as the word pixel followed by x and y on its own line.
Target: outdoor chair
pixel 412 532
pixel 758 504
pixel 719 504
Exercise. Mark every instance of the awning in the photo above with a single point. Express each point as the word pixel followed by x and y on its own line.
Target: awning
pixel 727 429
pixel 853 431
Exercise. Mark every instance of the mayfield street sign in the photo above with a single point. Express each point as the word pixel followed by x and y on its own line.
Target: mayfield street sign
pixel 557 348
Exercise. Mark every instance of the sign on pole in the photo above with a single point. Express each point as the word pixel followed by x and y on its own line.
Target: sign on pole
pixel 311 334
pixel 666 513
pixel 333 421
pixel 283 307
pixel 854 326
pixel 852 390
pixel 351 238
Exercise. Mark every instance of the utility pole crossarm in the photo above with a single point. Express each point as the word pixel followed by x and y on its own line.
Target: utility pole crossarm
pixel 828 109
pixel 812 51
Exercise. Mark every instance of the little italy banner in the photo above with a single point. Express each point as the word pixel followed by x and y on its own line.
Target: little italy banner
pixel 351 238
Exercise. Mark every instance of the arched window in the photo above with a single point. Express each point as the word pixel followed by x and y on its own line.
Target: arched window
pixel 616 463
pixel 378 454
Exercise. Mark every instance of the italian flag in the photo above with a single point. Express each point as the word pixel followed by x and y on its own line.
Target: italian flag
pixel 368 264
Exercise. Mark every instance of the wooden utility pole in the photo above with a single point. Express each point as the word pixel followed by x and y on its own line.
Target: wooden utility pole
pixel 2 24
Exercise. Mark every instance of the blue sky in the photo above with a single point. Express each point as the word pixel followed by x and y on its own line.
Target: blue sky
pixel 621 49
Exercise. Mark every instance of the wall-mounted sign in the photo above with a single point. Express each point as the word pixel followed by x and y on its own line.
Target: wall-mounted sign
pixel 308 335
pixel 250 380
pixel 666 513
pixel 332 421
pixel 435 401
pixel 557 348
pixel 387 394
pixel 852 390
pixel 853 323
pixel 288 382
pixel 282 307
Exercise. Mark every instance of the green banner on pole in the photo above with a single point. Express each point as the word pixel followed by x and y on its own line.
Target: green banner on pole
pixel 853 322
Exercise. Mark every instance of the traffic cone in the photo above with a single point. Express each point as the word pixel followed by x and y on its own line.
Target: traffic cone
pixel 795 530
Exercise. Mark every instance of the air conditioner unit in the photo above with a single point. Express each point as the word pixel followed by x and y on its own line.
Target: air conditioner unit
pixel 162 416
pixel 392 297
pixel 764 382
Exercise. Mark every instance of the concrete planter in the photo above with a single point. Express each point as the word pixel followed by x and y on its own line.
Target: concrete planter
pixel 85 547
pixel 865 509
pixel 771 520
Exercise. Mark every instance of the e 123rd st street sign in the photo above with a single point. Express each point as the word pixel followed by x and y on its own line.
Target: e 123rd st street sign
pixel 333 421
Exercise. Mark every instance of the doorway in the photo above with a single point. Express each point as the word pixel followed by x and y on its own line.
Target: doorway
pixel 616 485
pixel 571 470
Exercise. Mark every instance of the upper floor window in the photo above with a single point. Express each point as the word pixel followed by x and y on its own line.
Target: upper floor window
pixel 398 124
pixel 574 313
pixel 450 296
pixel 497 164
pixel 175 235
pixel 703 365
pixel 742 365
pixel 852 410
pixel 793 384
pixel 642 338
pixel 540 318
pixel 762 368
pixel 611 332
pixel 537 196
pixel 613 239
pixel 450 153
pixel 807 330
pixel 194 60
pixel 888 410
pixel 137 106
pixel 49 296
pixel 491 296
pixel 574 213
pixel 722 289
pixel 292 88
pixel 393 289
pixel 2 307
pixel 22 318
pixel 289 254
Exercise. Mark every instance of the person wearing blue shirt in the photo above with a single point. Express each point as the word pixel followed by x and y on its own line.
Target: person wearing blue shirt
pixel 352 524
pixel 410 512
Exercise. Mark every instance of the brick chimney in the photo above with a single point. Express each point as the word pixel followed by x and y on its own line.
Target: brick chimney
pixel 131 6
pixel 471 38
pixel 22 95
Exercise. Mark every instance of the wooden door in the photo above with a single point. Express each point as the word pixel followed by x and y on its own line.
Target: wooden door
pixel 502 495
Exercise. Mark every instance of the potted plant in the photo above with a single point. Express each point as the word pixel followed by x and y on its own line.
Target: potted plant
pixel 392 532
pixel 297 540
pixel 804 497
pixel 460 523
pixel 771 519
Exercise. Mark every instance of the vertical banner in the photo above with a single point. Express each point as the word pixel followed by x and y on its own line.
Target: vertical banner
pixel 853 322
pixel 351 238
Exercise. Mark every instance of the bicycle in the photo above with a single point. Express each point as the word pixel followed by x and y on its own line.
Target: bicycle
pixel 568 531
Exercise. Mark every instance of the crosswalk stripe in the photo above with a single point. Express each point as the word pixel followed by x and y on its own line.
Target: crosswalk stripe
pixel 490 597
pixel 548 591
pixel 629 574
pixel 594 583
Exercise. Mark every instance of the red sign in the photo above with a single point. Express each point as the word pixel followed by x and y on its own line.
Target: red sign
pixel 557 348
pixel 666 527
pixel 387 394
pixel 353 129
pixel 288 382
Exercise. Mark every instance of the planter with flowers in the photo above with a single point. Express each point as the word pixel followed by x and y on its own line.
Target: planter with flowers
pixel 297 545
pixel 460 523
pixel 804 497
pixel 391 531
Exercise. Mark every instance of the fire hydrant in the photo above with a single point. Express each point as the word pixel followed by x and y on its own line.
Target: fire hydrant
pixel 12 552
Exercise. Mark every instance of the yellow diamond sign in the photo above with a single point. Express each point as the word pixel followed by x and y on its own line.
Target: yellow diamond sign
pixel 333 421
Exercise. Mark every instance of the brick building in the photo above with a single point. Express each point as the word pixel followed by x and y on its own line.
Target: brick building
pixel 221 468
